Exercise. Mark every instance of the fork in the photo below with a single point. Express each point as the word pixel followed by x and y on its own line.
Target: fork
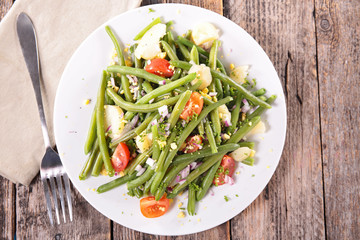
pixel 51 166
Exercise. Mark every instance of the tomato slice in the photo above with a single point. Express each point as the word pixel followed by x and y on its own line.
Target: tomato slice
pixel 227 167
pixel 193 106
pixel 121 157
pixel 192 144
pixel 152 209
pixel 160 67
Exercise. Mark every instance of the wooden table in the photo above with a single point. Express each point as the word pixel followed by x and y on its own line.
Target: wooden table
pixel 314 193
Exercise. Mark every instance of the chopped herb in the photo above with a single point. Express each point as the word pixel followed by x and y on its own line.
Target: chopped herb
pixel 151 10
pixel 226 198
pixel 182 208
pixel 253 175
pixel 236 195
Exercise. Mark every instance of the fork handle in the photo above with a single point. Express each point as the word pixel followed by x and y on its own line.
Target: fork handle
pixel 27 38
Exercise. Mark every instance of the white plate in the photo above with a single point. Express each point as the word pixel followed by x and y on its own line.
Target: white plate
pixel 80 81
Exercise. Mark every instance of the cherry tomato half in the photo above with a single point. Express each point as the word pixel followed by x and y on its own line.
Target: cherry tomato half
pixel 152 209
pixel 121 157
pixel 160 67
pixel 227 167
pixel 192 144
pixel 193 106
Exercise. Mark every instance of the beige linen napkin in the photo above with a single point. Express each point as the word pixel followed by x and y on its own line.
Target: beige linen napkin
pixel 61 26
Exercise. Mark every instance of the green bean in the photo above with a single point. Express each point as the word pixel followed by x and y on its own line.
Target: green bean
pixel 124 80
pixel 138 64
pixel 213 54
pixel 208 180
pixel 201 129
pixel 259 92
pixel 143 108
pixel 194 55
pixel 100 126
pixel 185 52
pixel 90 139
pixel 195 86
pixel 170 52
pixel 142 32
pixel 156 146
pixel 139 160
pixel 186 132
pixel 108 100
pixel 170 40
pixel 226 89
pixel 215 74
pixel 248 161
pixel 169 23
pixel 164 153
pixel 133 133
pixel 131 192
pixel 148 184
pixel 124 70
pixel 219 88
pixel 235 113
pixel 138 192
pixel 210 137
pixel 141 179
pixel 178 108
pixel 115 183
pixel 192 197
pixel 206 152
pixel 177 74
pixel 247 144
pixel 162 90
pixel 263 98
pixel 90 161
pixel 208 163
pixel 147 87
pixel 260 110
pixel 201 51
pixel 215 119
pixel 97 165
pixel 243 130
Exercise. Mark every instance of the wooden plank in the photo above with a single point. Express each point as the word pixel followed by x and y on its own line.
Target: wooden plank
pixel 338 38
pixel 7 192
pixel 291 206
pixel 33 221
pixel 220 232
pixel 7 209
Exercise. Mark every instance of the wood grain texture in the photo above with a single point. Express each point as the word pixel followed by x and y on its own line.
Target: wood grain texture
pixel 338 48
pixel 7 209
pixel 33 221
pixel 291 207
pixel 219 232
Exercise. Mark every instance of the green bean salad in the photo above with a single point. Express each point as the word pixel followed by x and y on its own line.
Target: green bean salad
pixel 170 118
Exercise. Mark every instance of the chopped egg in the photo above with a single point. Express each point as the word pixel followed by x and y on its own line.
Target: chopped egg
pixel 149 45
pixel 239 73
pixel 259 128
pixel 180 204
pixel 87 102
pixel 143 141
pixel 242 153
pixel 202 74
pixel 114 120
pixel 181 214
pixel 204 34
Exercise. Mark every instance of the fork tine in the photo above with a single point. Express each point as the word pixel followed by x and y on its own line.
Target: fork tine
pixel 62 202
pixel 48 202
pixel 68 195
pixel 53 190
